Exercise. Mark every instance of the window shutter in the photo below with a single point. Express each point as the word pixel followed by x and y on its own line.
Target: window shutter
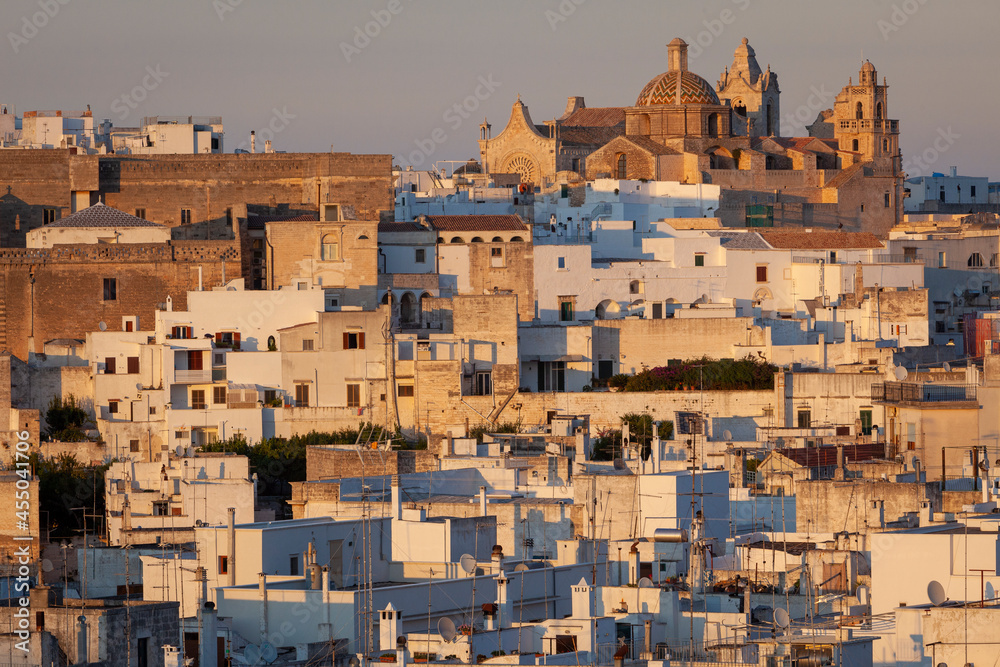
pixel 361 340
pixel 347 340
pixel 218 337
pixel 190 332
pixel 236 337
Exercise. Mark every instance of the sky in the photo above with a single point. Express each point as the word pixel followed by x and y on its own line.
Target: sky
pixel 414 78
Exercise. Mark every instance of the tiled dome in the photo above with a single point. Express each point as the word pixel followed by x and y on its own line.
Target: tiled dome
pixel 677 87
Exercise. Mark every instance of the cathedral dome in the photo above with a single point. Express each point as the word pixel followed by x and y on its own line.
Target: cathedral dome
pixel 677 87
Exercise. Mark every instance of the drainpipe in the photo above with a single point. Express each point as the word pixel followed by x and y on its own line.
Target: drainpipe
pixel 262 596
pixel 231 565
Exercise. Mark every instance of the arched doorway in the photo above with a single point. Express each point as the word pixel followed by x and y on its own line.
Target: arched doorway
pixel 408 308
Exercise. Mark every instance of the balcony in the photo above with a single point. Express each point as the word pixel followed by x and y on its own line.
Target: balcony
pixel 912 392
pixel 192 377
pixel 865 125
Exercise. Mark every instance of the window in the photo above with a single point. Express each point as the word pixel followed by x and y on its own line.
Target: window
pixel 219 395
pixel 635 287
pixel 215 143
pixel 833 256
pixel 133 446
pixel 496 256
pixel 496 252
pixel 198 399
pixel 330 252
pixel 178 435
pixel 941 260
pixel 854 145
pixel 160 508
pixel 354 341
pixel 113 407
pixel 804 418
pixel 133 365
pixel 307 344
pixel 975 260
pixel 888 200
pixel 762 273
pixel 972 190
pixel 354 395
pixel 561 263
pixel 911 436
pixel 622 167
pixel 552 376
pixel 859 111
pixel 110 289
pixel 420 255
pixel 129 325
pixel 229 217
pixel 140 213
pixel 483 384
pixel 182 332
pixel 657 310
pixel 219 359
pixel 48 216
pixel 575 165
pixel 223 564
pixel 270 395
pixel 566 309
pixel 293 565
pixel 302 395
pixel 605 368
pixel 866 421
pixel 109 365
pixel 195 359
pixel 185 216
pixel 699 259
pixel 152 409
pixel 404 390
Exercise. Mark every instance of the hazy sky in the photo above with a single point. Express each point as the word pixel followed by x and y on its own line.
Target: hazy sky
pixel 308 73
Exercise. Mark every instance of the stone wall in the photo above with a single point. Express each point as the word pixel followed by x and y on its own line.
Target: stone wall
pixel 329 463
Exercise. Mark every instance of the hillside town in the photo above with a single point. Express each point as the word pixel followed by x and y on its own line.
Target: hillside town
pixel 646 385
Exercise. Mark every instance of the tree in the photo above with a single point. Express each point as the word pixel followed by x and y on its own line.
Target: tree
pixel 66 421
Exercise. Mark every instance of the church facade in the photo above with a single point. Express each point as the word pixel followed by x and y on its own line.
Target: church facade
pixel 846 175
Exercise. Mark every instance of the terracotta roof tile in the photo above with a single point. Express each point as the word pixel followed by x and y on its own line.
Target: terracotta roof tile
pixel 800 239
pixel 477 223
pixel 596 117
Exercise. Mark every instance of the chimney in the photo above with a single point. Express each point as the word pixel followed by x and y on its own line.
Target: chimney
pixel 253 141
pixel 489 616
pixel 231 556
pixel 82 645
pixel 503 603
pixel 582 444
pixel 482 501
pixel 208 648
pixel 397 500
pixel 401 652
pixel 497 558
pixel 388 627
pixel 647 636
pixel 656 446
pixel 954 172
pixel 581 600
pixel 267 146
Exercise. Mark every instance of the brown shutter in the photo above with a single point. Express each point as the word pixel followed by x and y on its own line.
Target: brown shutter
pixel 347 340
pixel 236 337
pixel 218 337
pixel 133 365
pixel 109 365
pixel 361 340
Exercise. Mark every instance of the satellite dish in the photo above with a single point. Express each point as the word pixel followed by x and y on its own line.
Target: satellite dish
pixel 957 291
pixel 935 591
pixel 354 661
pixel 727 435
pixel 521 567
pixel 252 654
pixel 446 628
pixel 645 582
pixel 990 591
pixel 102 326
pixel 468 563
pixel 900 373
pixel 947 367
pixel 864 595
pixel 781 618
pixel 268 653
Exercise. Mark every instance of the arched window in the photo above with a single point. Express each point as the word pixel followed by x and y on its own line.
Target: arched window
pixel 770 162
pixel 740 108
pixel 878 110
pixel 622 167
pixel 975 260
pixel 859 111
pixel 363 237
pixel 330 250
pixel 477 239
pixel 770 120
pixel 635 287
pixel 457 239
pixel 993 259
pixel 408 308
pixel 516 239
pixel 885 145
pixel 713 124
pixel 497 239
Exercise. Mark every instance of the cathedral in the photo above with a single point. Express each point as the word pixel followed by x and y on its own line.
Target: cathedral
pixel 845 174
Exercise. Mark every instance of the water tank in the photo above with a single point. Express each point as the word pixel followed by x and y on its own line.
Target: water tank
pixel 670 535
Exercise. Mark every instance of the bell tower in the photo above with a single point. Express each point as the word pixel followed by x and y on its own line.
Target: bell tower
pixel 861 121
pixel 752 94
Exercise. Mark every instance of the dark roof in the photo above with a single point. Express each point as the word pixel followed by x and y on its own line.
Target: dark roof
pixel 390 227
pixel 477 223
pixel 100 215
pixel 736 240
pixel 800 239
pixel 826 456
pixel 595 117
pixel 649 145
pixel 791 548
